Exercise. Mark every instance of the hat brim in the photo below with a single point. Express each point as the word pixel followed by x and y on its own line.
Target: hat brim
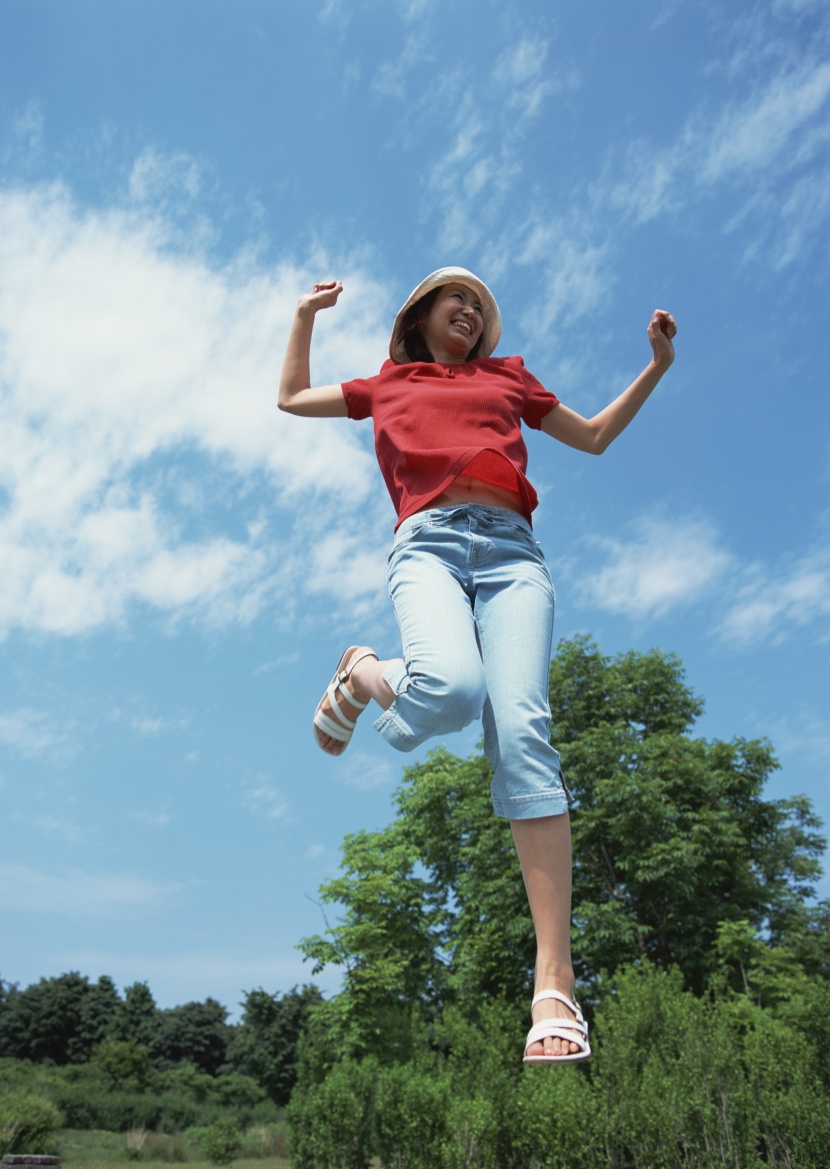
pixel 490 310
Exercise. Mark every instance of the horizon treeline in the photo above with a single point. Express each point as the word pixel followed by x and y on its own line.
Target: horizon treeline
pixel 70 1020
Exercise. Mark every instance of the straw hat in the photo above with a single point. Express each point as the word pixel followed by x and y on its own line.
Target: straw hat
pixel 490 310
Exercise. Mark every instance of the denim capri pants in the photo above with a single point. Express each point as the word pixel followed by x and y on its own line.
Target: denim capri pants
pixel 474 602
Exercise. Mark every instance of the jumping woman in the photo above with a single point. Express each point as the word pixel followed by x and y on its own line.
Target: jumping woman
pixel 470 587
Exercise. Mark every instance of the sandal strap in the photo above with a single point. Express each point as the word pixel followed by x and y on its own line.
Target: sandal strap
pixel 558 1029
pixel 343 676
pixel 571 1004
pixel 329 727
pixel 347 694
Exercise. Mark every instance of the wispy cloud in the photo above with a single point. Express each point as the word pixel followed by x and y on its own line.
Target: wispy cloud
pixel 754 134
pixel 264 799
pixel 760 146
pixel 470 181
pixel 663 564
pixel 148 726
pixel 773 602
pixel 27 732
pixel 156 176
pixel 666 563
pixel 365 772
pixel 31 890
pixel 390 79
pixel 805 732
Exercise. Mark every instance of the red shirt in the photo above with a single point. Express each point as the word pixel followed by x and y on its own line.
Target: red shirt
pixel 432 420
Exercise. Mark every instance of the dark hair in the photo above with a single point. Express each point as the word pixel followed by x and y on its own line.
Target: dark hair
pixel 412 336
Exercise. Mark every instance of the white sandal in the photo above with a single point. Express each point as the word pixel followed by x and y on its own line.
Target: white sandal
pixel 569 1030
pixel 343 728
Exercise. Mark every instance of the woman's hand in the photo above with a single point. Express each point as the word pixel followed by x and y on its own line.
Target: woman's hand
pixel 323 296
pixel 662 330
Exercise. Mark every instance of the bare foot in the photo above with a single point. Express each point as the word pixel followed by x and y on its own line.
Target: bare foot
pixel 346 685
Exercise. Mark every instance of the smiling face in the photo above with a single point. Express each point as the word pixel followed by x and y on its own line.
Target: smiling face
pixel 454 324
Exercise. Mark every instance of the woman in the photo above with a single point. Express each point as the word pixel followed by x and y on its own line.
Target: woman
pixel 471 590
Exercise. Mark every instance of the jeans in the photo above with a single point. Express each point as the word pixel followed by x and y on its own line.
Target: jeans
pixel 474 602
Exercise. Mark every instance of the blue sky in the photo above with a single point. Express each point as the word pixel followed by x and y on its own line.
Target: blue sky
pixel 182 565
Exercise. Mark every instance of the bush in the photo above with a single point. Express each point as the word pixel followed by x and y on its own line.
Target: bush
pixel 86 1108
pixel 221 1142
pixel 556 1119
pixel 170 1149
pixel 410 1116
pixel 331 1122
pixel 264 1140
pixel 28 1123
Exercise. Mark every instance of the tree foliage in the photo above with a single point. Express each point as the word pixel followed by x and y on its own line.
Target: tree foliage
pixel 133 1047
pixel 672 838
pixel 265 1045
pixel 672 834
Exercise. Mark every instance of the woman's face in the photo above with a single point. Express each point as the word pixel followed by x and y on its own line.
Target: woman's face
pixel 454 323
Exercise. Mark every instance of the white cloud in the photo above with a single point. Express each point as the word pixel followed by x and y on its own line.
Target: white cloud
pixel 30 890
pixel 805 732
pixel 264 799
pixel 487 120
pixel 667 563
pixel 521 73
pixel 147 726
pixel 664 564
pixel 390 79
pixel 127 353
pixel 756 133
pixel 27 131
pixel 27 732
pixel 365 772
pixel 773 602
pixel 156 176
pixel 576 274
pixel 761 144
pixel 152 819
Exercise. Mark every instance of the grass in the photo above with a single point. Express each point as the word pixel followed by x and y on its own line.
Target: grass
pixel 108 1150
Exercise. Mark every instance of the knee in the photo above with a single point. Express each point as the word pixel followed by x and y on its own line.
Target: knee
pixel 454 697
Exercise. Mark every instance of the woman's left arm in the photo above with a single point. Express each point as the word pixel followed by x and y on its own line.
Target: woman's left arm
pixel 596 434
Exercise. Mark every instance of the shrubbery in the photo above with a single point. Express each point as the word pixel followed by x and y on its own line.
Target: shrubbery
pixel 28 1123
pixel 676 1081
pixel 221 1142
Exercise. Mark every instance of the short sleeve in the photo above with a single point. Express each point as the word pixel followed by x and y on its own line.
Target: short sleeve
pixel 538 401
pixel 359 394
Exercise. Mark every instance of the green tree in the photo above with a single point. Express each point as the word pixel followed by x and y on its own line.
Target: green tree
pixel 124 1063
pixel 138 1015
pixel 194 1033
pixel 265 1044
pixel 672 837
pixel 58 1019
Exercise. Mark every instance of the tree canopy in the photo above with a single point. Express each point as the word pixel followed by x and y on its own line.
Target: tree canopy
pixel 673 838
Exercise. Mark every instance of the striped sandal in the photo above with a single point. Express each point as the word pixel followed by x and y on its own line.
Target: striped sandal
pixel 340 727
pixel 571 1030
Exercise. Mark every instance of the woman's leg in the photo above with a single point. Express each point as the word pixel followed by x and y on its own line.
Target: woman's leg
pixel 438 686
pixel 544 848
pixel 514 605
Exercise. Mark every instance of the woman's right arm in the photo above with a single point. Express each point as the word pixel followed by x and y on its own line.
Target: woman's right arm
pixel 297 396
